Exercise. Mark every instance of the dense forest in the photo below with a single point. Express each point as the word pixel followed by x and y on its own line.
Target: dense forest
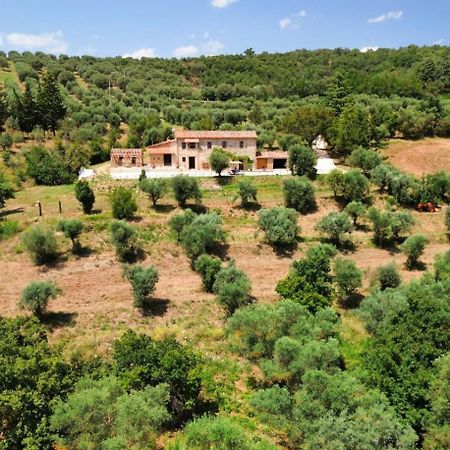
pixel 257 373
pixel 352 98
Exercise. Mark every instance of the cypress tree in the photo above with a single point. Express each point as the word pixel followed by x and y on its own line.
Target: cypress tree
pixel 26 110
pixel 50 103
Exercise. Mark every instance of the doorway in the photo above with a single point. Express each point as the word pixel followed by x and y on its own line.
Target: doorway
pixel 191 162
pixel 167 159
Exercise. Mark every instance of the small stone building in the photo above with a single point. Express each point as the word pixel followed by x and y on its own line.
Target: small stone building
pixel 127 157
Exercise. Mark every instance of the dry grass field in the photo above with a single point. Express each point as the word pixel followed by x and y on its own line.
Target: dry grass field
pixel 420 157
pixel 96 304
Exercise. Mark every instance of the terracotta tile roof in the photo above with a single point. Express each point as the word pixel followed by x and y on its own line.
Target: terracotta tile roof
pixel 191 134
pixel 126 152
pixel 161 148
pixel 275 154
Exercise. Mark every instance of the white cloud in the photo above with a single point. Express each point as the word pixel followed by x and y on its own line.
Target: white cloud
pixel 367 49
pixel 185 51
pixel 285 23
pixel 439 42
pixel 1 40
pixel 211 48
pixel 391 15
pixel 222 3
pixel 289 23
pixel 52 42
pixel 206 35
pixel 141 53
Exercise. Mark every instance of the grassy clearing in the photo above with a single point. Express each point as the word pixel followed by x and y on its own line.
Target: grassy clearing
pixel 10 79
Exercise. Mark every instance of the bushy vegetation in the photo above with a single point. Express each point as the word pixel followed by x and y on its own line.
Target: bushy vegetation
pixel 232 288
pixel 280 226
pixel 155 188
pixel 348 278
pixel 309 280
pixel 302 160
pixel 247 192
pixel 123 203
pixel 85 195
pixel 336 226
pixel 36 295
pixel 413 247
pixel 299 194
pixel 388 226
pixel 124 239
pixel 351 186
pixel 198 234
pixel 219 160
pixel 185 188
pixel 41 244
pixel 143 281
pixel 388 277
pixel 72 229
pixel 208 267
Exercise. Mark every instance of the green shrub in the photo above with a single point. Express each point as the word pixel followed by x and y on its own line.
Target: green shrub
pixel 246 191
pixel 388 277
pixel 302 161
pixel 365 159
pixel 219 160
pixel 349 186
pixel 179 221
pixel 72 228
pixel 124 237
pixel 299 194
pixel 347 276
pixel 208 267
pixel 36 295
pixel 224 433
pixel 140 361
pixel 309 280
pixel 279 225
pixel 202 235
pixel 185 188
pixel 355 210
pixel 85 195
pixel 413 248
pixel 337 226
pixel 102 414
pixel 155 188
pixel 382 176
pixel 123 203
pixel 143 281
pixel 41 243
pixel 232 287
pixel 388 226
pixel 8 228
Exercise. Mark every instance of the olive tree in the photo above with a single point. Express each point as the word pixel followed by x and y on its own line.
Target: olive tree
pixel 355 210
pixel 279 225
pixel 185 188
pixel 302 160
pixel 124 239
pixel 143 281
pixel 72 228
pixel 123 203
pixel 208 267
pixel 219 160
pixel 36 295
pixel 413 248
pixel 232 288
pixel 299 194
pixel 337 226
pixel 388 277
pixel 41 244
pixel 247 192
pixel 347 276
pixel 155 188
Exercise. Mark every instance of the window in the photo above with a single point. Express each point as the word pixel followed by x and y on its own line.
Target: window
pixel 224 144
pixel 241 144
pixel 209 144
pixel 183 159
pixel 192 145
pixel 183 145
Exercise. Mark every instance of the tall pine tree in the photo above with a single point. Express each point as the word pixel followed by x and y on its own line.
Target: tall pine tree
pixel 26 110
pixel 3 108
pixel 50 103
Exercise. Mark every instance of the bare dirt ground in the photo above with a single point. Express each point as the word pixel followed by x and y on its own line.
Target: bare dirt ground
pixel 96 304
pixel 420 157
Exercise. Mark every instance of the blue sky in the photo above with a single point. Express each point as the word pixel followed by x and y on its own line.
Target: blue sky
pixel 179 28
